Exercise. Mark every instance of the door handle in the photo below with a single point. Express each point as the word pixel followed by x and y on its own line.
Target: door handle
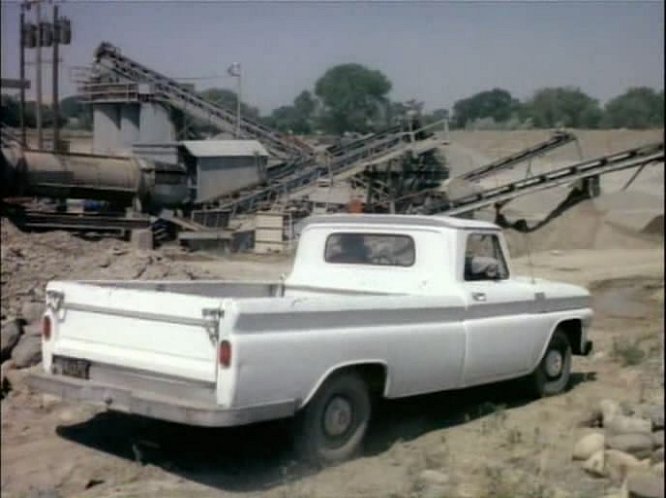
pixel 479 296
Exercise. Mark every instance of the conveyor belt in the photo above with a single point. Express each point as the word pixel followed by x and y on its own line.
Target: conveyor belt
pixel 433 201
pixel 188 101
pixel 559 139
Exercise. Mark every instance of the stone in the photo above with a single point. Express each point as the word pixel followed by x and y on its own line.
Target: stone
pixel 637 444
pixel 142 239
pixel 657 455
pixel 595 464
pixel 32 311
pixel 621 424
pixel 9 337
pixel 434 477
pixel 645 485
pixel 618 464
pixel 609 409
pixel 27 352
pixel 658 439
pixel 656 416
pixel 588 445
pixel 5 384
pixel 33 329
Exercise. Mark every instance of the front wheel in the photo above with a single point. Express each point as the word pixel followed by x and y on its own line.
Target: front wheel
pixel 332 425
pixel 553 373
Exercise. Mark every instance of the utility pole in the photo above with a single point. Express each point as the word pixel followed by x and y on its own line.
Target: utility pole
pixel 38 107
pixel 56 110
pixel 22 75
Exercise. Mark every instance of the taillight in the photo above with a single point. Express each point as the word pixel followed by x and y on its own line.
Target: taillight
pixel 224 354
pixel 46 328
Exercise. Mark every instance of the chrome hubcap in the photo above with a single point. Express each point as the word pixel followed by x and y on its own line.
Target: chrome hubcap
pixel 338 416
pixel 554 363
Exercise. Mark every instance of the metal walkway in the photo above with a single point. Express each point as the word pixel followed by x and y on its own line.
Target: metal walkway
pixel 558 139
pixel 431 202
pixel 189 102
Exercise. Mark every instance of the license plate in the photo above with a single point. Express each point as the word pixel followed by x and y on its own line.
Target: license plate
pixel 71 367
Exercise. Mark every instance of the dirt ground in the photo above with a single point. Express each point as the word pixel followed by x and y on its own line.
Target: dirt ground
pixel 482 442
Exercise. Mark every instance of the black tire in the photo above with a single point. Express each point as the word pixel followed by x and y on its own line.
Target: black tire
pixel 342 405
pixel 544 382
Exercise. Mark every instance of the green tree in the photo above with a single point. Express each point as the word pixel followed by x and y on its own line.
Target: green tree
pixel 637 108
pixel 76 113
pixel 353 97
pixel 497 104
pixel 297 118
pixel 227 98
pixel 565 107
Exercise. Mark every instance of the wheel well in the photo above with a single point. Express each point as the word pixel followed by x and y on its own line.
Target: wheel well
pixel 374 375
pixel 573 329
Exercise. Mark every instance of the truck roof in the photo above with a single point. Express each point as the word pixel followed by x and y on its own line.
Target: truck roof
pixel 400 219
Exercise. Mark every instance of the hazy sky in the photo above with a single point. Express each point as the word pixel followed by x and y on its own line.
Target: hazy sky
pixel 437 52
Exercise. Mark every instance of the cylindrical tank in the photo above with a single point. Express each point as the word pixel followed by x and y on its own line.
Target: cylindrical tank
pixel 121 180
pixel 81 176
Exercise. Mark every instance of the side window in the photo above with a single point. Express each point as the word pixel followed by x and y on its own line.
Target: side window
pixel 484 259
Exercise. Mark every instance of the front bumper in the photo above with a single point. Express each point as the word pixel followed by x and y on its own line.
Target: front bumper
pixel 173 409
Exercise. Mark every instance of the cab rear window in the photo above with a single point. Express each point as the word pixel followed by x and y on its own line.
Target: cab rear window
pixel 370 249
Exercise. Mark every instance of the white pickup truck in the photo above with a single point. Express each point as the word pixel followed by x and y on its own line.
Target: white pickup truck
pixel 376 305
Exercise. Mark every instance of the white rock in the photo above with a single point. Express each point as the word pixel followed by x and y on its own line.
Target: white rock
pixel 595 464
pixel 588 445
pixel 621 424
pixel 645 485
pixel 434 477
pixel 618 464
pixel 609 409
pixel 32 311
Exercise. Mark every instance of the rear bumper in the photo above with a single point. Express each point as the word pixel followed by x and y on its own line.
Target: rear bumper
pixel 158 407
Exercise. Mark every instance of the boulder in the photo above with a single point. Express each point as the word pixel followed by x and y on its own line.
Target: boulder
pixel 9 337
pixel 618 464
pixel 621 424
pixel 32 311
pixel 434 477
pixel 5 384
pixel 33 329
pixel 609 409
pixel 595 464
pixel 638 444
pixel 656 416
pixel 642 484
pixel 28 351
pixel 658 439
pixel 588 445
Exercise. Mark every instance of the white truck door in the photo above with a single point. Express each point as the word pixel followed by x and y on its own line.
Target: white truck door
pixel 500 317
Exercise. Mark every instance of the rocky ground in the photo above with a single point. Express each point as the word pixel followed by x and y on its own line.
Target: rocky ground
pixel 603 437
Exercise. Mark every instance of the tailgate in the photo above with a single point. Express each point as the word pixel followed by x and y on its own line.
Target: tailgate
pixel 147 330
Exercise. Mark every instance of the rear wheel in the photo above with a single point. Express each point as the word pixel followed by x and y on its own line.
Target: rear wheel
pixel 331 427
pixel 553 373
